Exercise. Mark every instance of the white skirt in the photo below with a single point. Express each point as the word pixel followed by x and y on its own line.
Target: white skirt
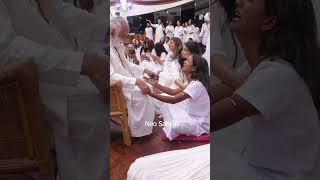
pixel 187 164
pixel 178 122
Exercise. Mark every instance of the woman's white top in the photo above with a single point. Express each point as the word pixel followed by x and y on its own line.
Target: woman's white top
pixel 285 133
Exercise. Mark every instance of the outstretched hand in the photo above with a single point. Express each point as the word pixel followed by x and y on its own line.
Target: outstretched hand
pixel 151 81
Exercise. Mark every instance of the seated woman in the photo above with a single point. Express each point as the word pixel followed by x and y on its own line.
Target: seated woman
pixel 172 64
pixel 189 48
pixel 280 98
pixel 146 57
pixel 137 47
pixel 161 53
pixel 186 112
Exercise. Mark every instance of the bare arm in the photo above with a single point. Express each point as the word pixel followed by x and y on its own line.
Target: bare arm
pixel 221 91
pixel 226 74
pixel 180 84
pixel 170 99
pixel 172 92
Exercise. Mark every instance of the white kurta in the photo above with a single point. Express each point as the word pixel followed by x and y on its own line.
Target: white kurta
pixel 149 32
pixel 186 164
pixel 170 71
pixel 190 117
pixel 159 32
pixel 169 31
pixel 140 106
pixel 80 130
pixel 178 32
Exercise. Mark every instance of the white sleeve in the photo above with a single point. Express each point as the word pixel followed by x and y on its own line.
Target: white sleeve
pixel 52 63
pixel 127 82
pixel 192 29
pixel 269 88
pixel 163 56
pixel 193 89
pixel 155 25
pixel 135 69
pixel 202 30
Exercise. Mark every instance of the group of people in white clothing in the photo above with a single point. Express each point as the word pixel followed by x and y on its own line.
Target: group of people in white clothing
pixel 152 78
pixel 185 31
pixel 265 58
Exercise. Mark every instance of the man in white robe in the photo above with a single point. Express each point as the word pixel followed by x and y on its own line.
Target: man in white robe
pixel 140 107
pixel 159 30
pixel 47 34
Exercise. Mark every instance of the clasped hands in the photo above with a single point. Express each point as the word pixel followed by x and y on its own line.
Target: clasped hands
pixel 152 80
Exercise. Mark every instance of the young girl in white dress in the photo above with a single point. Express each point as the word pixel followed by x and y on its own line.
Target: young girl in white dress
pixel 186 112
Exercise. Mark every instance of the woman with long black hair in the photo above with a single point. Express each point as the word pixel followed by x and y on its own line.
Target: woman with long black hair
pixel 280 97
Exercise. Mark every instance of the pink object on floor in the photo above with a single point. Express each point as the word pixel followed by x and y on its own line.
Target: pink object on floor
pixel 202 138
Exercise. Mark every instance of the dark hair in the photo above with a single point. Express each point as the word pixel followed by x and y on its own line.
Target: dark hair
pixel 149 45
pixel 193 47
pixel 135 44
pixel 229 7
pixel 178 43
pixel 294 39
pixel 159 48
pixel 201 72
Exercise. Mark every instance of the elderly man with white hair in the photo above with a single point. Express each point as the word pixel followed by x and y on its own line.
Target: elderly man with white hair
pixel 140 107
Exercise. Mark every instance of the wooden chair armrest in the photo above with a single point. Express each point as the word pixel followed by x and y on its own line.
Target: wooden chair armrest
pixel 115 83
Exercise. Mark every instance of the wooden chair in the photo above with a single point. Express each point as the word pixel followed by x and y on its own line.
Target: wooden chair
pixel 118 110
pixel 24 144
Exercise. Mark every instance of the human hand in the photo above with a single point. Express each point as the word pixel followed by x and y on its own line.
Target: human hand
pixel 150 81
pixel 142 86
pixel 151 74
